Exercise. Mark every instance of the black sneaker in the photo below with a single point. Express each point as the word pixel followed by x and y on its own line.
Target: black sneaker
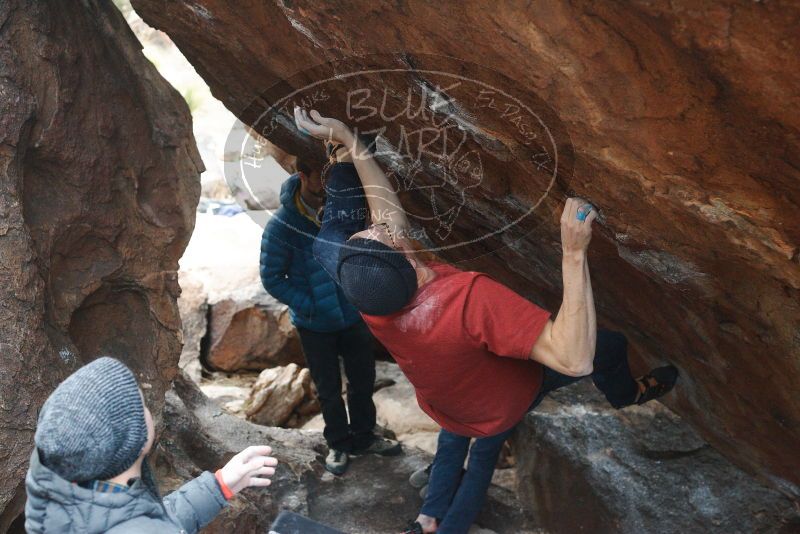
pixel 381 447
pixel 336 462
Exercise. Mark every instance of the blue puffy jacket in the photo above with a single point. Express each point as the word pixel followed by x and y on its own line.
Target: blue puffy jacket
pixel 290 273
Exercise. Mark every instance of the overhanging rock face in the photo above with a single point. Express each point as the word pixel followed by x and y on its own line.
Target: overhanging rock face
pixel 99 177
pixel 684 122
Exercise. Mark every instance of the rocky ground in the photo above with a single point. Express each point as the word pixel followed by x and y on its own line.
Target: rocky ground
pixel 372 497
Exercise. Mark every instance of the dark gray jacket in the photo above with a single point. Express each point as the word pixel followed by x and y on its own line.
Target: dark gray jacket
pixel 56 505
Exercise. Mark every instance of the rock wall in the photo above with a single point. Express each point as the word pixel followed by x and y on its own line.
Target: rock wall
pixel 684 121
pixel 99 177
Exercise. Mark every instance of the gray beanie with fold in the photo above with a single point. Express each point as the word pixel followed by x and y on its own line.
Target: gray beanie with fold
pixel 375 278
pixel 92 427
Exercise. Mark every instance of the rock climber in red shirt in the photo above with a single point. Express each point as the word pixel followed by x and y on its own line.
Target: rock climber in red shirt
pixel 478 355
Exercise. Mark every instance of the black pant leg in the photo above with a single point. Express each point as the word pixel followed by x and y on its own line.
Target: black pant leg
pixel 322 357
pixel 612 374
pixel 551 381
pixel 356 348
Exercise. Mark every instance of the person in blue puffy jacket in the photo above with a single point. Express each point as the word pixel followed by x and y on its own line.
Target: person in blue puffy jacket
pixel 328 325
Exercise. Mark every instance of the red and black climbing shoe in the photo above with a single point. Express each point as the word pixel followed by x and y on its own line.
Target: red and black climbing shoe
pixel 656 383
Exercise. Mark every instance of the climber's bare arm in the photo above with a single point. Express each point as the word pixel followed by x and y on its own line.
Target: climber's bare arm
pixel 567 344
pixel 384 203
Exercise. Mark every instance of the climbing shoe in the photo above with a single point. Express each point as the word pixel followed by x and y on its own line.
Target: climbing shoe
pixel 656 383
pixel 336 462
pixel 419 478
pixel 381 447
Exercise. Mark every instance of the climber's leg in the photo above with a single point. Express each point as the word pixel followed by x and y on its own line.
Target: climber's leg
pixel 552 381
pixel 451 451
pixel 471 493
pixel 612 375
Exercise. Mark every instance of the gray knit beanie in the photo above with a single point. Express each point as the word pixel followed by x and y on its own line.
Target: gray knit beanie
pixel 375 278
pixel 92 427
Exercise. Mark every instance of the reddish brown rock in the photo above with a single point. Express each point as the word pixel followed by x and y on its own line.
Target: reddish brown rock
pixel 684 119
pixel 250 330
pixel 230 322
pixel 99 176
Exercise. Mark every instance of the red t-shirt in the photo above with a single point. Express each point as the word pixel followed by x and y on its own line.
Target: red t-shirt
pixel 464 342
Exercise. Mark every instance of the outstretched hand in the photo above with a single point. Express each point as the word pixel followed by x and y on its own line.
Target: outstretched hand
pixel 576 232
pixel 251 467
pixel 324 128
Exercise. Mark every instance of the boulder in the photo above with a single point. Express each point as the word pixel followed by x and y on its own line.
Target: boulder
pixel 640 469
pixel 200 436
pixel 422 440
pixel 241 326
pixel 282 396
pixel 99 177
pixel 250 330
pixel 229 390
pixel 678 120
pixel 399 412
pixel 387 374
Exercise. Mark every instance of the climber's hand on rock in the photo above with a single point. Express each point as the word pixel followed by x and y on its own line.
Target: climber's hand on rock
pixel 324 128
pixel 251 467
pixel 575 232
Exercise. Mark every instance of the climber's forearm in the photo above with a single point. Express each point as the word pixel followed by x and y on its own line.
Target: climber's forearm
pixel 575 327
pixel 384 203
pixel 567 344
